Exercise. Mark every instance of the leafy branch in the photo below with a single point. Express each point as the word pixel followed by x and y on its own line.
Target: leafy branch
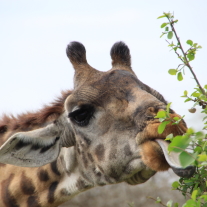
pixel 195 188
pixel 189 55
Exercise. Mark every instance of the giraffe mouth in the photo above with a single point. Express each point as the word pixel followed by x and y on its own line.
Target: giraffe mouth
pixel 155 155
pixel 158 160
pixel 154 148
pixel 173 160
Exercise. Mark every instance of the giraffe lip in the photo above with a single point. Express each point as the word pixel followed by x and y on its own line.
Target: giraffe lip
pixel 172 159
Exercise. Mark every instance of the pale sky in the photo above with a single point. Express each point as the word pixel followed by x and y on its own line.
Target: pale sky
pixel 34 34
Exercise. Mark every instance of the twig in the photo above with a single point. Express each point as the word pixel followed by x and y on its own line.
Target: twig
pixel 156 200
pixel 186 193
pixel 184 151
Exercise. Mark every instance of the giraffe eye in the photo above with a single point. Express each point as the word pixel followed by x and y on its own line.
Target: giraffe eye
pixel 82 115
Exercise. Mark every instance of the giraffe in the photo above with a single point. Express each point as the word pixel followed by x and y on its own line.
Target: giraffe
pixel 101 132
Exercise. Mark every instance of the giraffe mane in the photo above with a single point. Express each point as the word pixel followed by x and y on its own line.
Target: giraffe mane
pixel 29 120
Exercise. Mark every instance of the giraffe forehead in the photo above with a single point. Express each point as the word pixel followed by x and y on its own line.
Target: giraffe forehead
pixel 113 84
pixel 115 79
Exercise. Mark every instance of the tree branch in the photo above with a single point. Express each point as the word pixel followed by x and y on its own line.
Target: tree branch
pixel 186 62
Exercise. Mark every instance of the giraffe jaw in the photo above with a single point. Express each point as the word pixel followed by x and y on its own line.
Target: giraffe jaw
pixel 140 177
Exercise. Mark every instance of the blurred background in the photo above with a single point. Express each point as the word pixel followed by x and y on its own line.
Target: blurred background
pixel 34 68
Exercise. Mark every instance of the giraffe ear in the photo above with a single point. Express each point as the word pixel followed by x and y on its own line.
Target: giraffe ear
pixel 33 148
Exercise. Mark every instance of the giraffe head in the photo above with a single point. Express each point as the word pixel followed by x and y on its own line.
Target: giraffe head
pixel 109 121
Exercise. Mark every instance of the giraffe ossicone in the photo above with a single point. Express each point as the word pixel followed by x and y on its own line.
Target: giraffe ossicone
pixel 102 132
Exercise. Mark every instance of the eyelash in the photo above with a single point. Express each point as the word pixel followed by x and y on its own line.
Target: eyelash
pixel 83 115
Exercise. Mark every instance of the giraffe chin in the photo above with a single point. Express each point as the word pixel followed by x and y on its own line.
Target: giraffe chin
pixel 140 177
pixel 155 155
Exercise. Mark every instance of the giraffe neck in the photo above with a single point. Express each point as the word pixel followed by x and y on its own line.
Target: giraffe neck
pixel 49 185
pixel 71 179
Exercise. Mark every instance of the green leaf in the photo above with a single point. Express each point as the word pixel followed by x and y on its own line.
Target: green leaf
pixel 190 203
pixel 191 56
pixel 187 159
pixel 185 93
pixel 188 99
pixel 158 200
pixel 203 97
pixel 171 45
pixel 195 44
pixel 175 184
pixel 189 42
pixel 195 94
pixel 162 119
pixel 175 205
pixel 162 126
pixel 168 109
pixel 179 141
pixel 172 71
pixel 205 86
pixel 202 157
pixel 161 16
pixel 166 29
pixel 164 24
pixel 190 131
pixel 162 34
pixel 169 15
pixel 175 48
pixel 198 149
pixel 170 35
pixel 204 197
pixel 169 203
pixel 205 118
pixel 176 118
pixel 169 137
pixel 193 196
pixel 161 114
pixel 180 76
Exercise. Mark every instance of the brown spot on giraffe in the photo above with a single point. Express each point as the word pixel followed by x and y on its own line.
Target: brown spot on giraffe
pixel 32 201
pixel 27 185
pixel 55 168
pixel 90 157
pixel 43 175
pixel 80 184
pixel 127 150
pixel 99 152
pixel 64 192
pixel 114 174
pixel 6 194
pixel 51 192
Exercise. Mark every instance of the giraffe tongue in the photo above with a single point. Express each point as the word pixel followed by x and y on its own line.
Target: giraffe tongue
pixel 174 162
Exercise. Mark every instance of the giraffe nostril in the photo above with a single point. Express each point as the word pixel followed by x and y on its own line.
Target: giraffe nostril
pixel 151 109
pixel 151 112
